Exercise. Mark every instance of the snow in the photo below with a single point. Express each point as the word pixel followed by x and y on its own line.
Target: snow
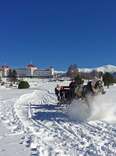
pixel 105 68
pixel 31 123
pixel 102 107
pixel 10 133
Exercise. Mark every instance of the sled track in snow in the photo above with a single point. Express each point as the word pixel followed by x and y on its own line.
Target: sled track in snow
pixel 34 126
pixel 93 138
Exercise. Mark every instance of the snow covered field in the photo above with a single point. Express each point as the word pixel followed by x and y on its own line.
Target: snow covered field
pixel 31 123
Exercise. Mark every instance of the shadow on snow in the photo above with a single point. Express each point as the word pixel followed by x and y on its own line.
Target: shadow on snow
pixel 49 112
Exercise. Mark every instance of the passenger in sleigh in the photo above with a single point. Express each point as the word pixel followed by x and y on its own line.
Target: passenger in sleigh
pixel 57 91
pixel 65 93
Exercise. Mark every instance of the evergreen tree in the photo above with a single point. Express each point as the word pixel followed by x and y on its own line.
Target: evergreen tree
pixel 23 85
pixel 78 79
pixel 12 75
pixel 108 79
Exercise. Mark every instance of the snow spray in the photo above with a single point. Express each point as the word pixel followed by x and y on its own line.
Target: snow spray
pixel 101 107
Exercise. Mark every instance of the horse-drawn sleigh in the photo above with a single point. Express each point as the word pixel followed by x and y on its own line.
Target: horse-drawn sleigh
pixel 65 94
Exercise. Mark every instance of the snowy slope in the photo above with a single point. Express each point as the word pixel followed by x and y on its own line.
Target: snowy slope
pixel 105 68
pixel 50 130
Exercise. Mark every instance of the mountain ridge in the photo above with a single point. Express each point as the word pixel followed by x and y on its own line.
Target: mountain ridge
pixel 105 68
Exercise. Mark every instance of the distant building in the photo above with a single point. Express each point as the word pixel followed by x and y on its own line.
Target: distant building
pixel 47 73
pixel 5 70
pixel 21 72
pixel 1 72
pixel 29 71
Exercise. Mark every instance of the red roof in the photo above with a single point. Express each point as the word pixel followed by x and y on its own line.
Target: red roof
pixel 30 65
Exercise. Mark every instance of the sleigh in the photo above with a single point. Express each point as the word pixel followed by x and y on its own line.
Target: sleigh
pixel 81 92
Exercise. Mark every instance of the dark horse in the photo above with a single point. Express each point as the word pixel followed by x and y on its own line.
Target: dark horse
pixel 80 92
pixel 86 91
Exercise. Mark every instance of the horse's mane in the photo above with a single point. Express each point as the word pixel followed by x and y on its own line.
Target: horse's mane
pixel 99 84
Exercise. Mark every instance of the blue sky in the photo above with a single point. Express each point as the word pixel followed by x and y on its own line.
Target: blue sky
pixel 58 33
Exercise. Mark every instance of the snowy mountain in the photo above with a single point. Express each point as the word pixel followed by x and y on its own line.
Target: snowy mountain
pixel 105 68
